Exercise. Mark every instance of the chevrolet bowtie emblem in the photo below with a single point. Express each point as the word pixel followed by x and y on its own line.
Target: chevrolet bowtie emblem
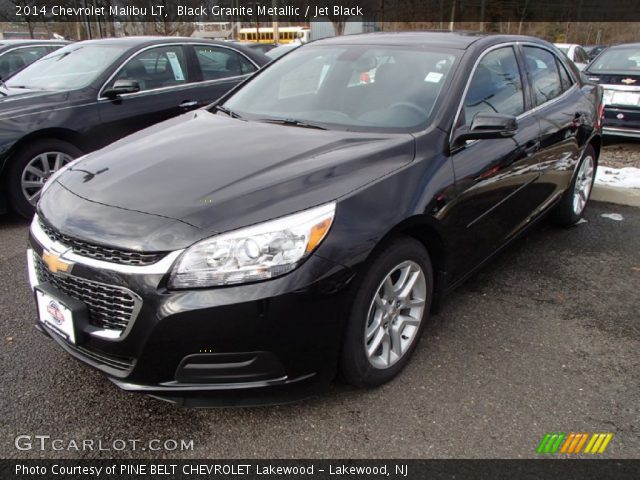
pixel 628 81
pixel 55 263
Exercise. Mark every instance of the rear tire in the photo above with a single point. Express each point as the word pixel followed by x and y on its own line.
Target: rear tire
pixel 31 166
pixel 575 199
pixel 384 328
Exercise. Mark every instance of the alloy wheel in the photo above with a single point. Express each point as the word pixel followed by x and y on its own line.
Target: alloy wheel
pixel 38 171
pixel 584 182
pixel 394 315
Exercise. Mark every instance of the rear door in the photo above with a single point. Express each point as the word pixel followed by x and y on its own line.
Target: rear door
pixel 217 70
pixel 164 77
pixel 561 109
pixel 494 177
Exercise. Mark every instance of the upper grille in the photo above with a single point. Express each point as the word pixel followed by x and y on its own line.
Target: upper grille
pixel 109 307
pixel 114 255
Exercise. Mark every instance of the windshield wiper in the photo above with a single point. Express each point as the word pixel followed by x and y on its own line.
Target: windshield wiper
pixel 228 112
pixel 291 122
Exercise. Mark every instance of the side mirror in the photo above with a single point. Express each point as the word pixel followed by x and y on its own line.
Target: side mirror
pixel 120 87
pixel 487 125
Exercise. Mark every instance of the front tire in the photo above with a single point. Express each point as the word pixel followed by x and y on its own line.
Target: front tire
pixel 575 199
pixel 389 313
pixel 29 169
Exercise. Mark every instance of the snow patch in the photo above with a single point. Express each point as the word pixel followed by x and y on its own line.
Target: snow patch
pixel 627 177
pixel 612 216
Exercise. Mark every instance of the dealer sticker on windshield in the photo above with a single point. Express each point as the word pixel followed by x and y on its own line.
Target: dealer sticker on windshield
pixel 433 77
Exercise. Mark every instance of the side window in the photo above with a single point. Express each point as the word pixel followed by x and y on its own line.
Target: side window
pixel 245 65
pixel 155 68
pixel 581 56
pixel 543 74
pixel 565 78
pixel 217 63
pixel 496 86
pixel 17 59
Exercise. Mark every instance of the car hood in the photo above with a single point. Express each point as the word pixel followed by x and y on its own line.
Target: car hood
pixel 21 100
pixel 216 173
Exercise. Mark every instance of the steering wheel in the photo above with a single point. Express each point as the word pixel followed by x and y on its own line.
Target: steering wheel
pixel 410 106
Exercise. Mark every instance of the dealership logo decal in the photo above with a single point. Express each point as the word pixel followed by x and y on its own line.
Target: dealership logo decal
pixel 54 310
pixel 573 443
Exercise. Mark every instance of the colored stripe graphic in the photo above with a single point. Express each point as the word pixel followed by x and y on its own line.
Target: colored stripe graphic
pixel 598 443
pixel 551 442
pixel 581 444
pixel 557 442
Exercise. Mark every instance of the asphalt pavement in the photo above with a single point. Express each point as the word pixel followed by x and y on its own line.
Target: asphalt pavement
pixel 545 338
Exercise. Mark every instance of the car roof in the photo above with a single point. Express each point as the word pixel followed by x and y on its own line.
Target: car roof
pixel 149 40
pixel 460 40
pixel 29 41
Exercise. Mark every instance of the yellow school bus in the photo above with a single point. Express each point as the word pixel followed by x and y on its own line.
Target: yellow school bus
pixel 265 34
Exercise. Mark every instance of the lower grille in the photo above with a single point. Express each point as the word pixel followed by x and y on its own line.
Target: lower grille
pixel 109 307
pixel 117 363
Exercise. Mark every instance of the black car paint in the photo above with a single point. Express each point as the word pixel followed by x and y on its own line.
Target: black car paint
pixel 463 201
pixel 89 121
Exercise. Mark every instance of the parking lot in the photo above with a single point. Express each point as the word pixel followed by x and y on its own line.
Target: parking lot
pixel 546 338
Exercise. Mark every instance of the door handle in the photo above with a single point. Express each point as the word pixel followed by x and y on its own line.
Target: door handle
pixel 189 104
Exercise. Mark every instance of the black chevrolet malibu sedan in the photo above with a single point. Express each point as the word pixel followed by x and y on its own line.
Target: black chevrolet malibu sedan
pixel 617 69
pixel 311 220
pixel 88 94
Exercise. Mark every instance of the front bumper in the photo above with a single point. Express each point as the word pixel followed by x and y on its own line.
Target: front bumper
pixel 269 342
pixel 621 122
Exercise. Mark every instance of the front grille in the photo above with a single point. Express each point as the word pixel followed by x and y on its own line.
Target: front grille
pixel 90 250
pixel 109 307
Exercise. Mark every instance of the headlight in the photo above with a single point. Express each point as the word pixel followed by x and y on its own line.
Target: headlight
pixel 59 172
pixel 260 252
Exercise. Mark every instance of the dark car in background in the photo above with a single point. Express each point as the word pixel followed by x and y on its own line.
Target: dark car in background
pixel 617 69
pixel 279 51
pixel 259 47
pixel 594 50
pixel 308 222
pixel 17 54
pixel 88 94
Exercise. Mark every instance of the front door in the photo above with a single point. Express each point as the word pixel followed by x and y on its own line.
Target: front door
pixel 163 75
pixel 493 176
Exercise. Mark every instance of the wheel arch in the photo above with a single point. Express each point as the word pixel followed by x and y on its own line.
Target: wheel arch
pixel 64 134
pixel 427 231
pixel 596 143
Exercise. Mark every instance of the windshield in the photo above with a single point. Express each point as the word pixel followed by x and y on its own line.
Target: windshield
pixel 621 60
pixel 356 87
pixel 72 67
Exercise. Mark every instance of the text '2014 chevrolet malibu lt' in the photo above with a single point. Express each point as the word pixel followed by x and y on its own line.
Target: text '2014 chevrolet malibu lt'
pixel 309 222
